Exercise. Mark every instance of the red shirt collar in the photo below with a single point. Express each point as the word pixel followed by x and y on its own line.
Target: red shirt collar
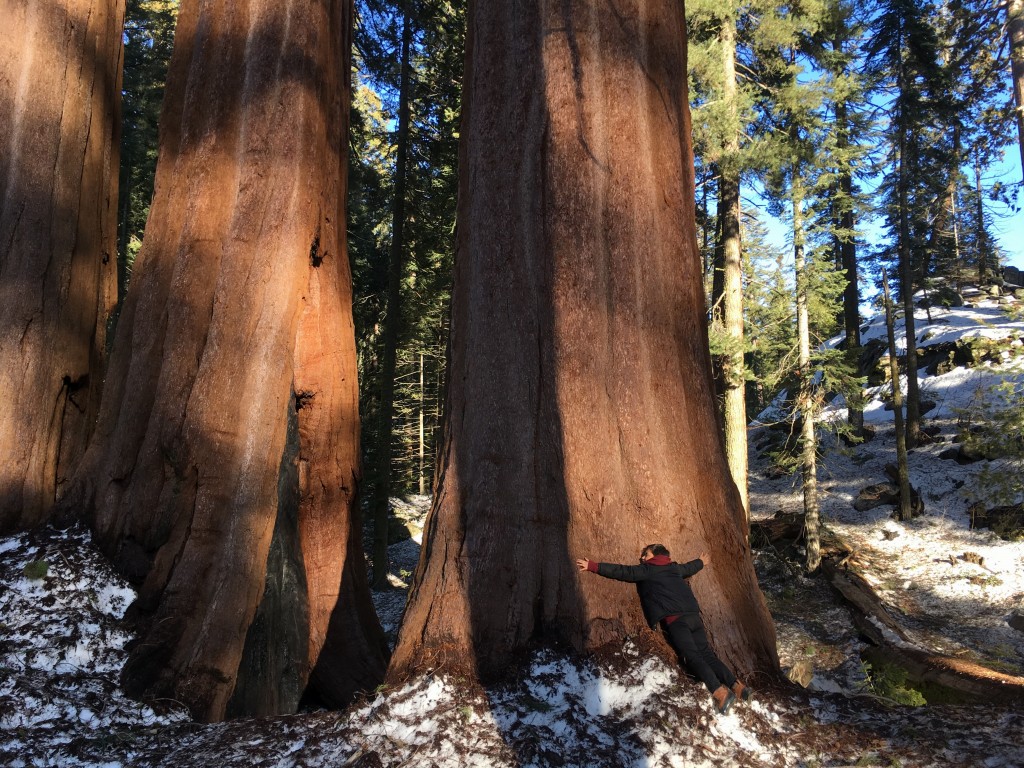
pixel 659 560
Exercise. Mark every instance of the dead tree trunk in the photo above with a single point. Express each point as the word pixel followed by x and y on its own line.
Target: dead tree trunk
pixel 223 471
pixel 60 85
pixel 580 407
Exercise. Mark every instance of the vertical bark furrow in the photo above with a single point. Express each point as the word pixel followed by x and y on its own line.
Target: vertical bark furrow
pixel 60 92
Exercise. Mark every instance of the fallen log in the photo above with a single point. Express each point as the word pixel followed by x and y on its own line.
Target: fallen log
pixel 882 629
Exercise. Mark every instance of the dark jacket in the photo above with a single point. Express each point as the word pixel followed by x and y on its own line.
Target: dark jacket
pixel 661 584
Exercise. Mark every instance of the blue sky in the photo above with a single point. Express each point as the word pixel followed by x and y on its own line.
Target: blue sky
pixel 1007 227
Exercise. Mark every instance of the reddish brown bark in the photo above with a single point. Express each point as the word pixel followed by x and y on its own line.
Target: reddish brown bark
pixel 225 463
pixel 60 72
pixel 581 414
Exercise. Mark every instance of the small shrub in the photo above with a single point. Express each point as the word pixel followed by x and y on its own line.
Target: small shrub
pixel 890 682
pixel 36 570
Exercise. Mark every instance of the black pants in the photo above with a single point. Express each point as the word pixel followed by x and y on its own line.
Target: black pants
pixel 686 635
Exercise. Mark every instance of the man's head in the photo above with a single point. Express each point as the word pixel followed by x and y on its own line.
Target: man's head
pixel 653 550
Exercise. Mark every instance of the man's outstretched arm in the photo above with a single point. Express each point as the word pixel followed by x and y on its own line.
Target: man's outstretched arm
pixel 631 573
pixel 689 569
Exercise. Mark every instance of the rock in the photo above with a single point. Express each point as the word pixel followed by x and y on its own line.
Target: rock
pixel 1013 276
pixel 397 530
pixel 801 673
pixel 950 453
pixel 916 502
pixel 926 406
pixel 888 493
pixel 366 760
pixel 994 290
pixel 1016 621
pixel 931 431
pixel 1007 522
pixel 875 496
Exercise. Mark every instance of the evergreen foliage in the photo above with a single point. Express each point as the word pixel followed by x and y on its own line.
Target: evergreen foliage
pixel 432 188
pixel 148 42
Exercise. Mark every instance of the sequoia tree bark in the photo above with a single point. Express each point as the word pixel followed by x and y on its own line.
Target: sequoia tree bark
pixel 60 80
pixel 580 407
pixel 224 468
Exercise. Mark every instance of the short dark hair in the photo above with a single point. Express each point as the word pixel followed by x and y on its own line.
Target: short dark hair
pixel 657 549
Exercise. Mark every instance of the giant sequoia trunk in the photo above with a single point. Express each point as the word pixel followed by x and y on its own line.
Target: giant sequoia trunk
pixel 224 466
pixel 581 413
pixel 60 73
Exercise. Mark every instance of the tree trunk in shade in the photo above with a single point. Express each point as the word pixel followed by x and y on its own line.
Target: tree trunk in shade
pixel 392 318
pixel 581 412
pixel 60 81
pixel 224 468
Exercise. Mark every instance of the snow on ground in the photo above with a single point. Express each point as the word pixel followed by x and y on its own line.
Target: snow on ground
pixel 947 603
pixel 63 635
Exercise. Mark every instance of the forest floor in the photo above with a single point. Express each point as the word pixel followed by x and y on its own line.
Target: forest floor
pixel 62 644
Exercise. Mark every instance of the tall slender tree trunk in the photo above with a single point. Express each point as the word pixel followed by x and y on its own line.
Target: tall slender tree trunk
pixel 980 232
pixel 392 321
pixel 913 425
pixel 422 432
pixel 580 414
pixel 60 80
pixel 808 436
pixel 847 246
pixel 902 470
pixel 224 467
pixel 729 303
pixel 1015 30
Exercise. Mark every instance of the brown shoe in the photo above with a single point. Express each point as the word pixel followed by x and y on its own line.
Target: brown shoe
pixel 724 699
pixel 741 691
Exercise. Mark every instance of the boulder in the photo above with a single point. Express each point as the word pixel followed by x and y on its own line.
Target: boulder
pixel 943 296
pixel 888 493
pixel 1016 621
pixel 875 496
pixel 950 453
pixel 1006 522
pixel 1013 276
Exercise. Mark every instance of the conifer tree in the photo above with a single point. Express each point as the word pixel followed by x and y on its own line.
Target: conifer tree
pixel 903 56
pixel 428 228
pixel 148 42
